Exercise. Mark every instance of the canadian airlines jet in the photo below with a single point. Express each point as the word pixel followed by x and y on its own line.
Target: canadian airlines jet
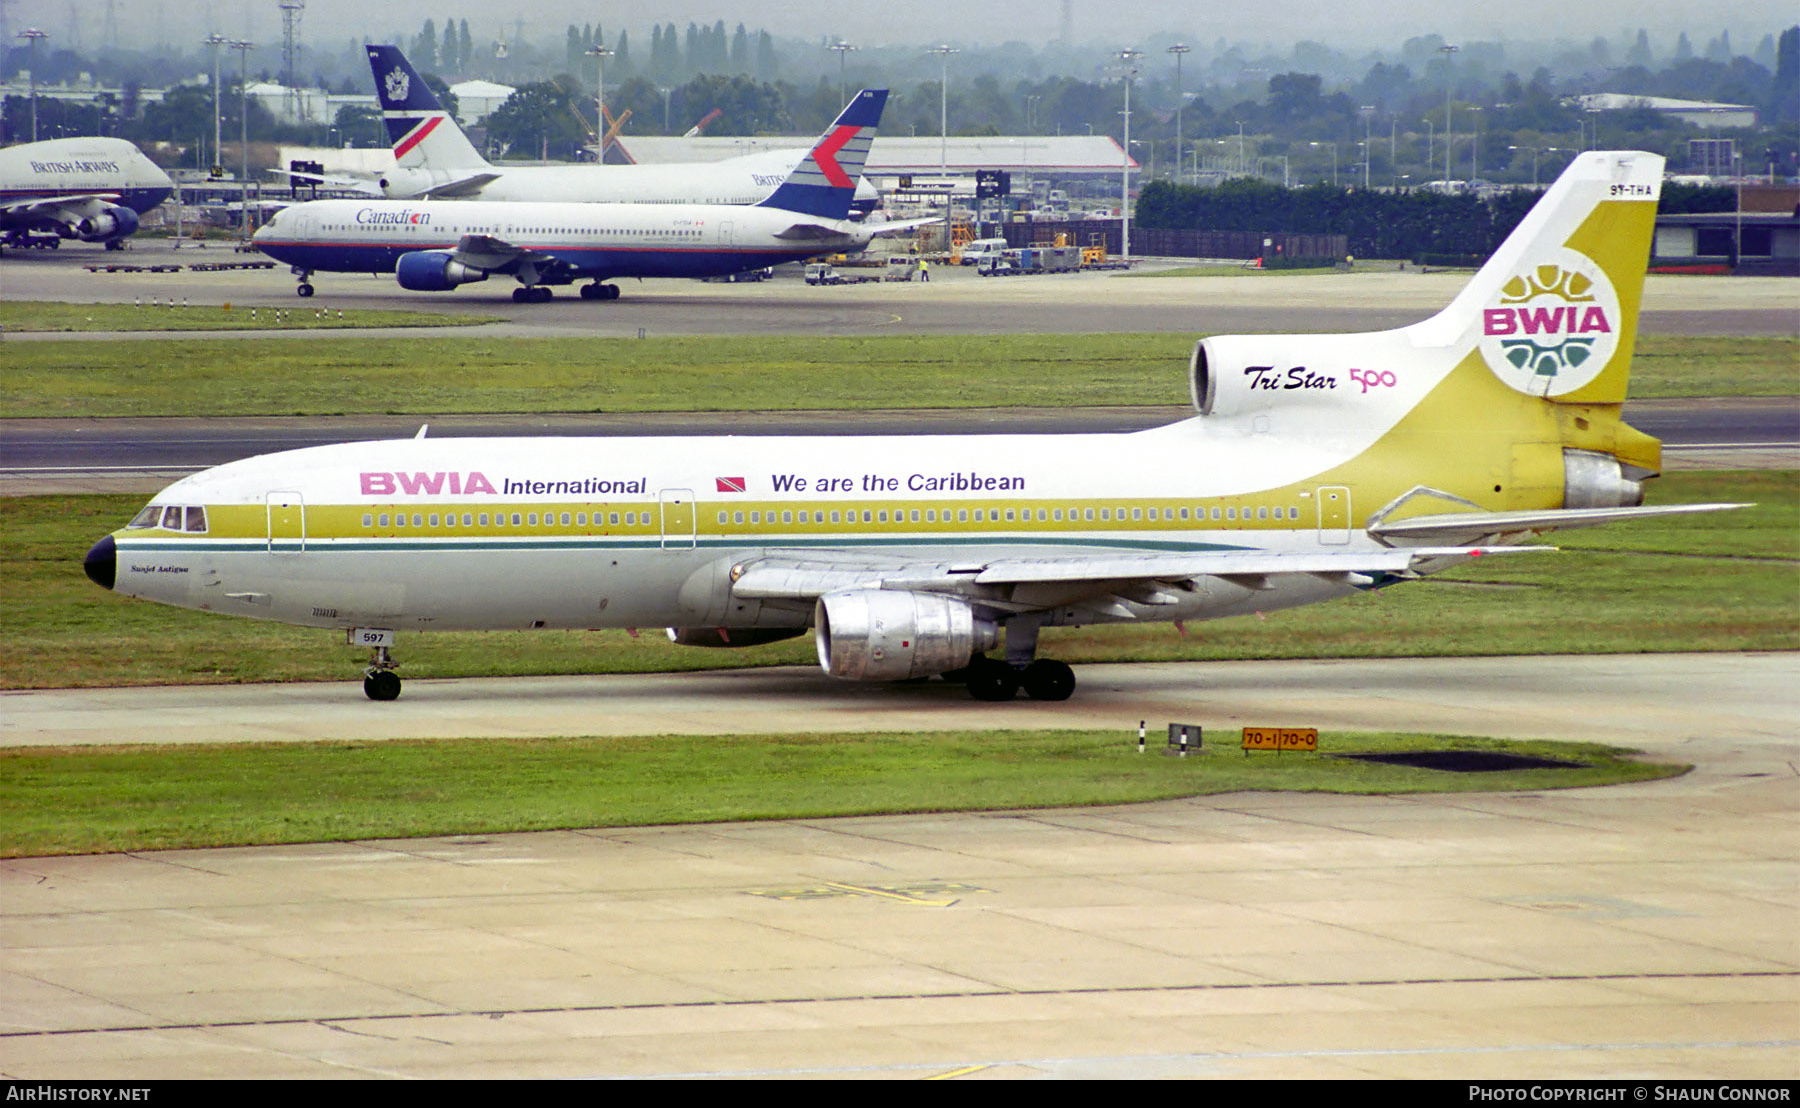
pixel 436 245
pixel 435 160
pixel 1315 466
pixel 88 189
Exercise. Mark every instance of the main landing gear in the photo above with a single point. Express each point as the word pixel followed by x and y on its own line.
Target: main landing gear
pixel 1039 678
pixel 532 294
pixel 993 680
pixel 598 291
pixel 380 682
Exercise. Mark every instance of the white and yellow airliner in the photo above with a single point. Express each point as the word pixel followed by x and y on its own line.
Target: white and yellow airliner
pixel 1314 467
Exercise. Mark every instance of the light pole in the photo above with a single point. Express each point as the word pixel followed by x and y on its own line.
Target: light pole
pixel 943 51
pixel 1127 60
pixel 243 49
pixel 31 36
pixel 1474 148
pixel 216 40
pixel 1368 112
pixel 1449 54
pixel 600 54
pixel 1178 50
pixel 841 48
pixel 1534 160
pixel 1334 161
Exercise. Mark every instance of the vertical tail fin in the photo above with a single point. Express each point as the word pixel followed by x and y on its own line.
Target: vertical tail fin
pixel 421 131
pixel 1554 311
pixel 824 182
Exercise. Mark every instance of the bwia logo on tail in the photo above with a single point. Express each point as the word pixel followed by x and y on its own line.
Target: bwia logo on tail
pixel 1555 328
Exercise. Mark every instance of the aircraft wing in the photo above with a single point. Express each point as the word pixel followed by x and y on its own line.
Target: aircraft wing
pixel 74 205
pixel 1024 584
pixel 1480 526
pixel 494 255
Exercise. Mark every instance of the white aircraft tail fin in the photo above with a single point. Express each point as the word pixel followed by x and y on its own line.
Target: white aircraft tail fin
pixel 423 134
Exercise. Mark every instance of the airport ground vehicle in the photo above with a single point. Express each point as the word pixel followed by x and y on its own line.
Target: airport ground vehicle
pixel 824 273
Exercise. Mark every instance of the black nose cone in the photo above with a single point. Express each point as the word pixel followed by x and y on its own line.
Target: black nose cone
pixel 102 563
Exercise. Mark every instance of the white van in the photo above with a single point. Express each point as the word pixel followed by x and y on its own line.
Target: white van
pixel 982 250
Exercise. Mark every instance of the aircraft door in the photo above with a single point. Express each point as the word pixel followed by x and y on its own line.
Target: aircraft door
pixel 678 519
pixel 287 521
pixel 1334 514
pixel 725 233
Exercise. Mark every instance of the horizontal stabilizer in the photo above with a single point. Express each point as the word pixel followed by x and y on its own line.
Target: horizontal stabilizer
pixel 1473 525
pixel 810 232
pixel 368 186
pixel 466 186
pixel 895 226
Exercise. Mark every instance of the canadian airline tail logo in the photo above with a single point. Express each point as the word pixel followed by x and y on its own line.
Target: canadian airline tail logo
pixel 1554 328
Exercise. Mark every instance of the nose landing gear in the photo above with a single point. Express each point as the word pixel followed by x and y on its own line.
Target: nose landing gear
pixel 380 682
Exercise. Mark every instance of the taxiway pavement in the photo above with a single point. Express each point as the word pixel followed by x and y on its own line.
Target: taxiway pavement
pixel 1641 932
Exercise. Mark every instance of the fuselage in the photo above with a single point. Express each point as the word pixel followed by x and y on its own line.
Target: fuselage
pixel 70 186
pixel 595 240
pixel 744 180
pixel 81 166
pixel 586 533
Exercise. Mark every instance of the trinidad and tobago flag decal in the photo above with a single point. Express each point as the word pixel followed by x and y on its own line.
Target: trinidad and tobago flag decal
pixel 729 484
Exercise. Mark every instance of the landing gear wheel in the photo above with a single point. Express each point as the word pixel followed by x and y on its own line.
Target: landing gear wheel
pixel 1046 679
pixel 993 681
pixel 521 294
pixel 382 684
pixel 305 289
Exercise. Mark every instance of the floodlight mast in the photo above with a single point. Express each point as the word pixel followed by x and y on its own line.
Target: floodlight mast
pixel 243 49
pixel 1178 50
pixel 1127 58
pixel 1449 53
pixel 31 35
pixel 841 48
pixel 600 53
pixel 216 40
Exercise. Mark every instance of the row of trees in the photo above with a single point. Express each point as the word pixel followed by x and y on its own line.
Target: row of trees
pixel 1387 125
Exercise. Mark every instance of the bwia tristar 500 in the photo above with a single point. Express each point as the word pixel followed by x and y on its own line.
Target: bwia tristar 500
pixel 1315 466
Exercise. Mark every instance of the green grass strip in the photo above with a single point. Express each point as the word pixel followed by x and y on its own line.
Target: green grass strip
pixel 91 800
pixel 166 315
pixel 431 375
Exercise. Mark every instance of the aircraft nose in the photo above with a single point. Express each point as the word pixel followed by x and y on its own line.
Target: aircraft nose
pixel 102 563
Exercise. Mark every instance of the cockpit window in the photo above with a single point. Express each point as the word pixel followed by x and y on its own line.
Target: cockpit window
pixel 191 519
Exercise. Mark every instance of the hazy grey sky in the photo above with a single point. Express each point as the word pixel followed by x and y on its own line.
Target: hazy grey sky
pixel 1347 24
